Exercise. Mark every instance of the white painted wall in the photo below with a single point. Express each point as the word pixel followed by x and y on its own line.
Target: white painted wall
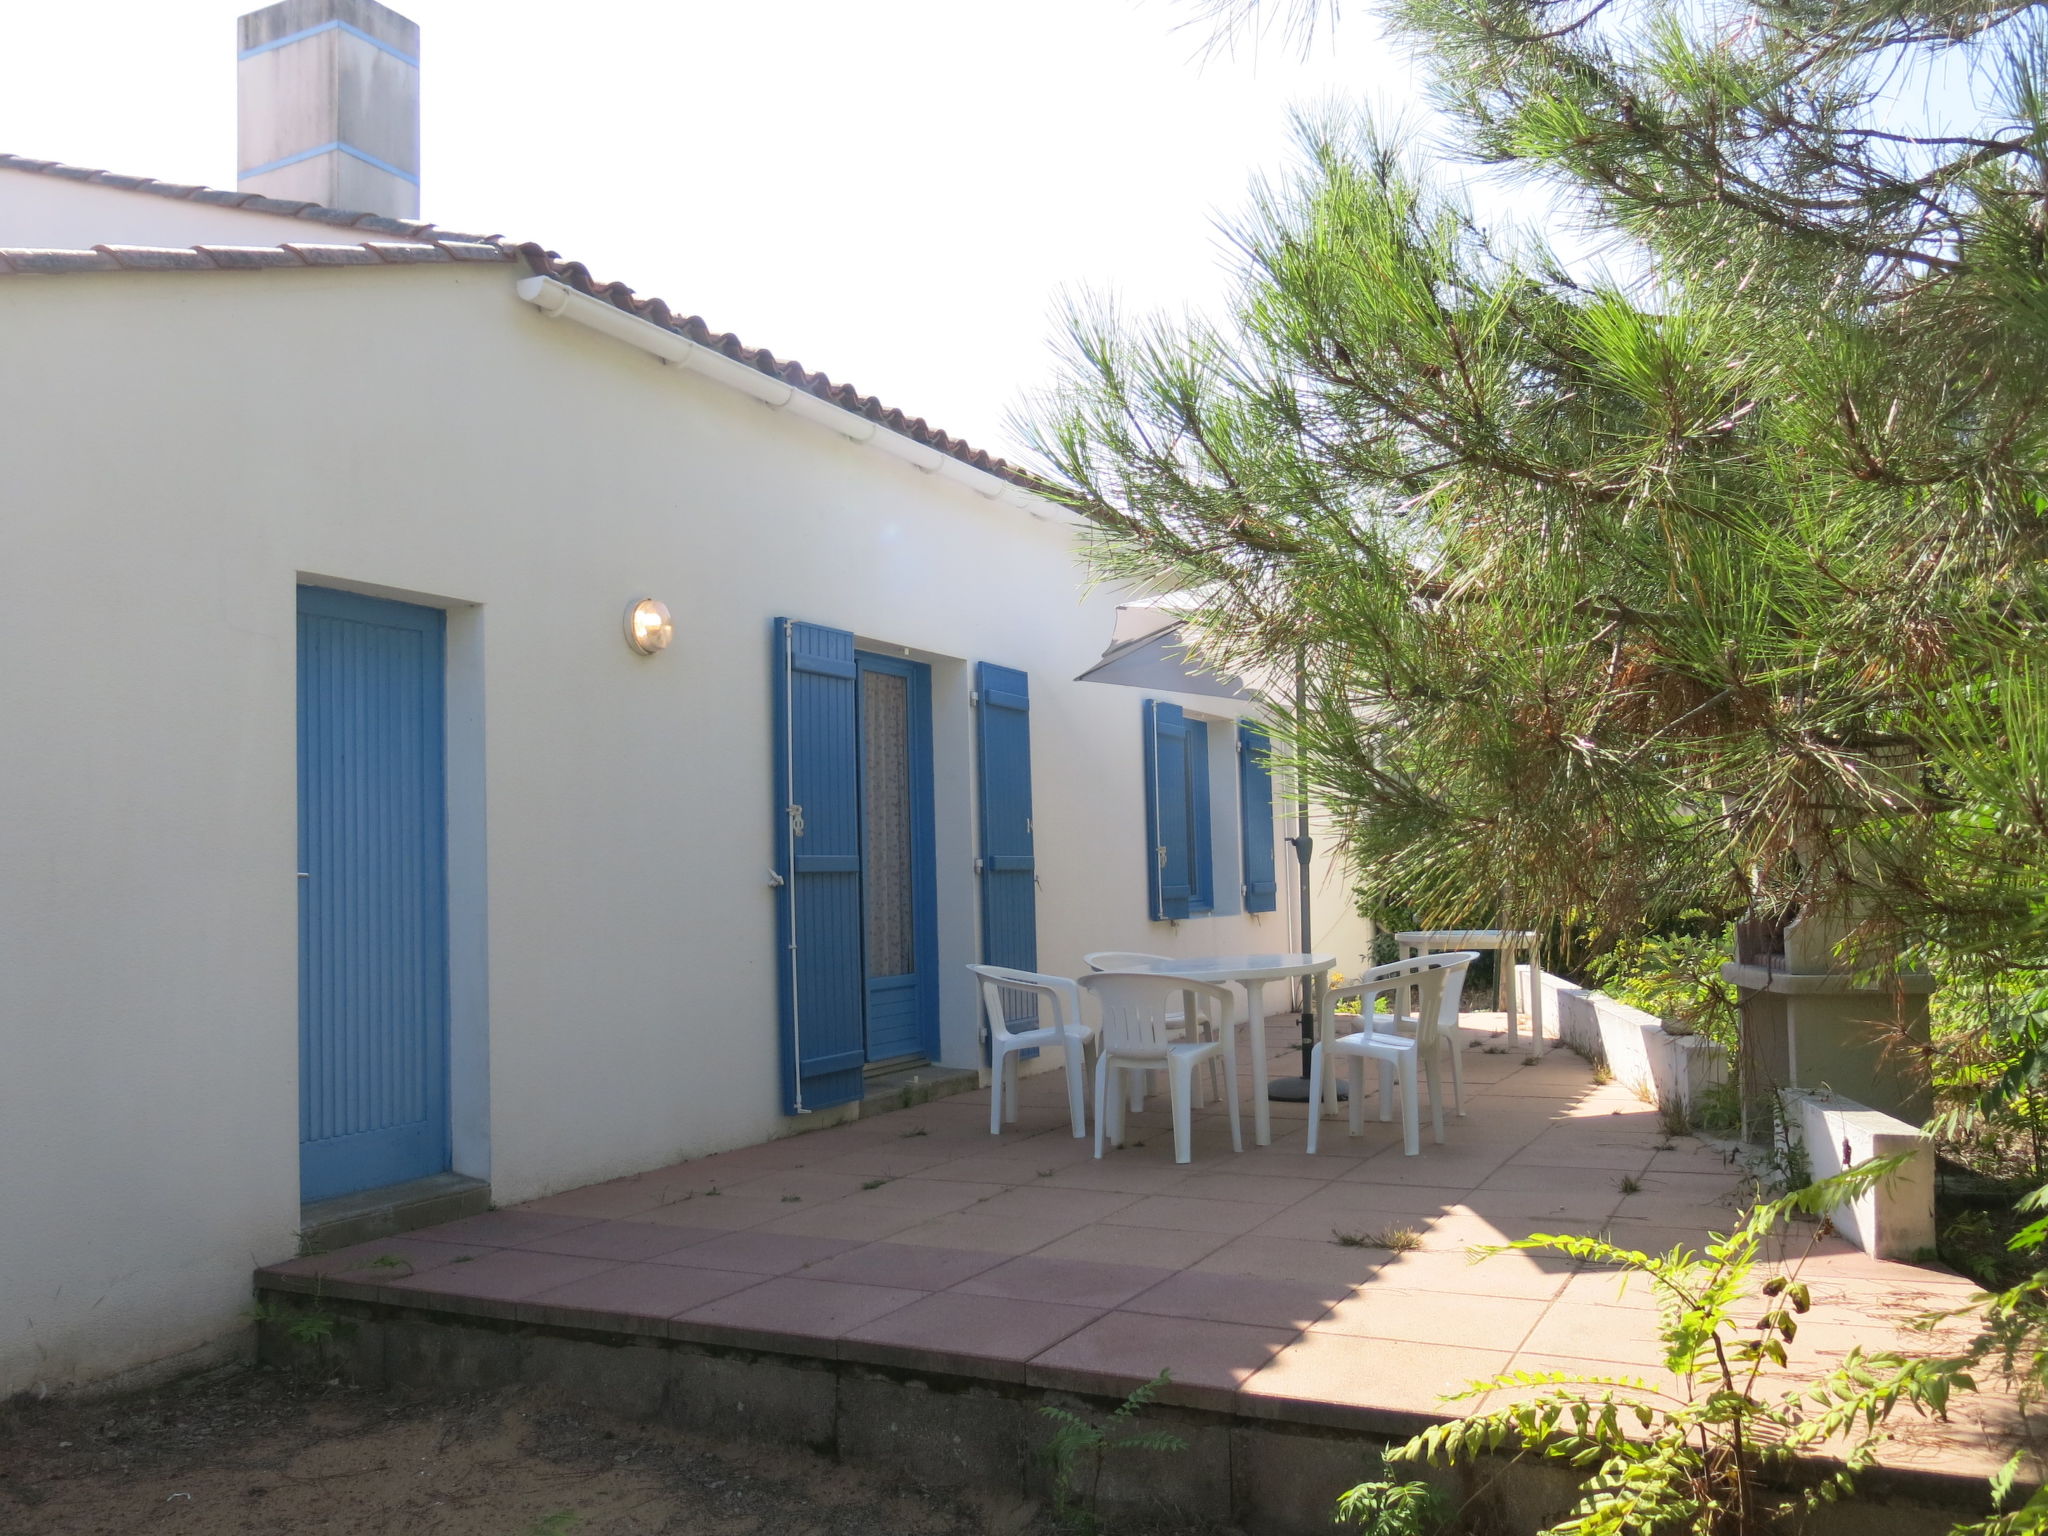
pixel 182 449
pixel 51 213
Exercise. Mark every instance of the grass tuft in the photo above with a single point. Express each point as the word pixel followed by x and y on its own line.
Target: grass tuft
pixel 1393 1239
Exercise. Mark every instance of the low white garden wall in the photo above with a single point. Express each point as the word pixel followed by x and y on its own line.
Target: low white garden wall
pixel 1670 1071
pixel 1895 1220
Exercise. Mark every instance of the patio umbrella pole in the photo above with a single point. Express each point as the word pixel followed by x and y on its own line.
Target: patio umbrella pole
pixel 1294 1090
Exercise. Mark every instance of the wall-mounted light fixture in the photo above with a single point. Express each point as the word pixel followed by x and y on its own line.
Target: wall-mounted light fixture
pixel 648 626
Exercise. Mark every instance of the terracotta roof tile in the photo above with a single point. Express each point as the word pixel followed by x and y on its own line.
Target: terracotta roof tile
pixel 574 274
pixel 20 261
pixel 26 261
pixel 419 242
pixel 254 202
pixel 153 258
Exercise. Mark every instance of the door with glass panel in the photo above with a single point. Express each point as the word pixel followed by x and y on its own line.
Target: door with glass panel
pixel 897 870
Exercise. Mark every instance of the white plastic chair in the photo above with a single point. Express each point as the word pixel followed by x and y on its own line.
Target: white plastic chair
pixel 1137 1036
pixel 1450 1028
pixel 1201 1029
pixel 1066 1031
pixel 1397 1055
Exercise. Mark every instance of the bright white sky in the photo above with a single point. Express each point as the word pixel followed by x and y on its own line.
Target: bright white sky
pixel 893 191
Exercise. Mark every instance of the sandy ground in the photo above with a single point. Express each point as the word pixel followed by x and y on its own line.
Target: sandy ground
pixel 255 1453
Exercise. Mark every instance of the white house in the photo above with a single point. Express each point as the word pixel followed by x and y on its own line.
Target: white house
pixel 348 841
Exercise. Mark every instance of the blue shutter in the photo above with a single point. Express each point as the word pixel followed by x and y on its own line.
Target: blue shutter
pixel 817 853
pixel 1009 878
pixel 1202 894
pixel 1169 859
pixel 1255 809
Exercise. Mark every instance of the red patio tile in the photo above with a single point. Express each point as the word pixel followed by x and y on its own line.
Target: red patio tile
pixel 1434 1167
pixel 1036 1202
pixel 1289 1162
pixel 1320 1261
pixel 1657 1211
pixel 845 1220
pixel 1341 1379
pixel 387 1258
pixel 1596 1332
pixel 912 1265
pixel 1561 1202
pixel 1436 1317
pixel 1228 1298
pixel 727 1213
pixel 976 1335
pixel 884 1159
pixel 633 1291
pixel 1609 1288
pixel 1158 1246
pixel 1274 1192
pixel 508 1274
pixel 789 1311
pixel 505 1229
pixel 622 1240
pixel 1124 1174
pixel 989 1168
pixel 620 1197
pixel 1227 1218
pixel 1209 1361
pixel 989 1234
pixel 1540 1276
pixel 756 1253
pixel 1631 1156
pixel 1698 1188
pixel 932 1197
pixel 1076 1282
pixel 803 1183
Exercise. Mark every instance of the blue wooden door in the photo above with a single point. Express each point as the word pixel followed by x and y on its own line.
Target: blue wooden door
pixel 373 905
pixel 897 870
pixel 1008 863
pixel 822 990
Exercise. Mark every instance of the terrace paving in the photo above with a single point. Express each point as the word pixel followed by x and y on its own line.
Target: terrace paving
pixel 915 1240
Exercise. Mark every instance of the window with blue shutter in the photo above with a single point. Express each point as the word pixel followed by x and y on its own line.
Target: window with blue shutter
pixel 1255 811
pixel 1178 876
pixel 1009 868
pixel 818 857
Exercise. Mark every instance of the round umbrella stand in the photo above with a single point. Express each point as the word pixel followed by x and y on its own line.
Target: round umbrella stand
pixel 1294 1090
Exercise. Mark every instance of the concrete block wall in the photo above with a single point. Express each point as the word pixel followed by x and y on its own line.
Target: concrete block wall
pixel 1669 1071
pixel 1895 1220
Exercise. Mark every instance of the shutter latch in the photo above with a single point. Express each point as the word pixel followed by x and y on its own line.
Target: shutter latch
pixel 977 866
pixel 796 821
pixel 1162 855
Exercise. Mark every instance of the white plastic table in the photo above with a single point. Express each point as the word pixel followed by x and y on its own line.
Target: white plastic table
pixel 1505 942
pixel 1252 972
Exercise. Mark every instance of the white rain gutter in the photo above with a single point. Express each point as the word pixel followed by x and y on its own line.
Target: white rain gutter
pixel 558 300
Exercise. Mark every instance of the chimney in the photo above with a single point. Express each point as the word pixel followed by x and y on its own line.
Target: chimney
pixel 330 105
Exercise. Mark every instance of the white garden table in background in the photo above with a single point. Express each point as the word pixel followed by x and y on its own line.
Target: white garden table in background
pixel 1505 941
pixel 1252 972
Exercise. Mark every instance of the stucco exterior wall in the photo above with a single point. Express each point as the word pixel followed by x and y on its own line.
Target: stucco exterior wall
pixel 181 451
pixel 53 213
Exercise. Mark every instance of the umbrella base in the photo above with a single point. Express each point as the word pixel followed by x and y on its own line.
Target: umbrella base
pixel 1294 1090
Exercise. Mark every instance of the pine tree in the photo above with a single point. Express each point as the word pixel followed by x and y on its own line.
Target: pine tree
pixel 1718 583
